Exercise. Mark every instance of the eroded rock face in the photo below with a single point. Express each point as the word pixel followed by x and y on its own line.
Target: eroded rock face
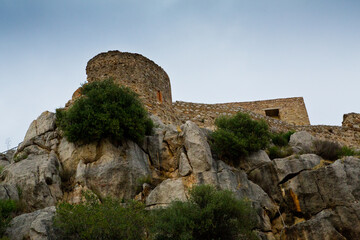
pixel 302 142
pixel 33 226
pixel 315 190
pixel 197 148
pixel 115 171
pixel 167 191
pixel 36 179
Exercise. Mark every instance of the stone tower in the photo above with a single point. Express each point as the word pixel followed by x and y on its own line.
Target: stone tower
pixel 140 74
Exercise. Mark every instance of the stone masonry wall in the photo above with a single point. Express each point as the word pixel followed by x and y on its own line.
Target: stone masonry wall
pixel 140 74
pixel 291 110
pixel 351 120
pixel 205 114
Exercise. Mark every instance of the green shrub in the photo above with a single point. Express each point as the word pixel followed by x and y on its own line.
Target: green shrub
pixel 106 221
pixel 238 135
pixel 7 212
pixel 281 139
pixel 347 151
pixel 327 149
pixel 105 110
pixel 279 152
pixel 209 214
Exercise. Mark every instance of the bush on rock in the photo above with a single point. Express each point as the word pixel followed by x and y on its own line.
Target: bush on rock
pixel 238 135
pixel 105 110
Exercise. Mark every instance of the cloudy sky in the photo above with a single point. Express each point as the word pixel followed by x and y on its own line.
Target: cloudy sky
pixel 213 51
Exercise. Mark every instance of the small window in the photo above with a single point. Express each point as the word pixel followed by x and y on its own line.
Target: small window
pixel 274 113
pixel 159 96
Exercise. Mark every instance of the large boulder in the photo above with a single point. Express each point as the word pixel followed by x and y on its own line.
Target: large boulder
pixel 254 160
pixel 115 171
pixel 41 133
pixel 312 191
pixel 33 226
pixel 236 181
pixel 339 223
pixel 36 178
pixel 302 142
pixel 166 192
pixel 281 170
pixel 197 148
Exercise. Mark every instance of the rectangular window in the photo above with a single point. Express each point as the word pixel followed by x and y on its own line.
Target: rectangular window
pixel 274 113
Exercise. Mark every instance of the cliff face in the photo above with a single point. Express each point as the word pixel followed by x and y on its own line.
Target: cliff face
pixel 298 197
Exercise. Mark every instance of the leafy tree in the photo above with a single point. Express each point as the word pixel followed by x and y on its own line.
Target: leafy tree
pixel 238 135
pixel 104 110
pixel 209 214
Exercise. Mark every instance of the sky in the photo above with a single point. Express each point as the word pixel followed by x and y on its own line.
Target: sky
pixel 213 52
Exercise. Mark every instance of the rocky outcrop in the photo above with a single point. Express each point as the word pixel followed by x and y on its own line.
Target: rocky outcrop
pixel 115 171
pixel 302 142
pixel 166 192
pixel 36 179
pixel 33 226
pixel 293 197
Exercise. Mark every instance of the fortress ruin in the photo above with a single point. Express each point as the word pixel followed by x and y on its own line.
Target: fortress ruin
pixel 152 84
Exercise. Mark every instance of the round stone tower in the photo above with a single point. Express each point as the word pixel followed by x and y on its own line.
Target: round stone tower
pixel 140 74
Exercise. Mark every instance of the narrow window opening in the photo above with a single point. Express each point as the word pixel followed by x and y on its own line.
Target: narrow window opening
pixel 274 113
pixel 159 96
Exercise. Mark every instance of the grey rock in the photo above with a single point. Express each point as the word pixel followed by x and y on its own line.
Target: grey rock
pixel 166 192
pixel 8 191
pixel 254 160
pixel 37 178
pixel 237 182
pixel 302 142
pixel 339 223
pixel 116 170
pixel 33 226
pixel 43 126
pixel 197 148
pixel 184 166
pixel 290 166
pixel 315 190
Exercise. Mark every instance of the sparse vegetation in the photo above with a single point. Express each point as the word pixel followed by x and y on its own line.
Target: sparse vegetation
pixel 237 136
pixel 105 110
pixel 347 151
pixel 21 156
pixel 105 220
pixel 209 214
pixel 7 212
pixel 280 145
pixel 327 150
pixel 140 181
pixel 281 139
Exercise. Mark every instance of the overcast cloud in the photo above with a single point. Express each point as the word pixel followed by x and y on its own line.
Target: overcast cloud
pixel 213 51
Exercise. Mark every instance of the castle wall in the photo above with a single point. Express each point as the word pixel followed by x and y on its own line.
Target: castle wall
pixel 140 74
pixel 290 110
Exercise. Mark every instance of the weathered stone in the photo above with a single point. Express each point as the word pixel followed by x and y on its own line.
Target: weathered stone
pixel 33 226
pixel 116 171
pixel 167 191
pixel 254 160
pixel 302 142
pixel 197 148
pixel 287 168
pixel 237 182
pixel 37 177
pixel 339 223
pixel 184 166
pixel 315 190
pixel 8 191
pixel 44 123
